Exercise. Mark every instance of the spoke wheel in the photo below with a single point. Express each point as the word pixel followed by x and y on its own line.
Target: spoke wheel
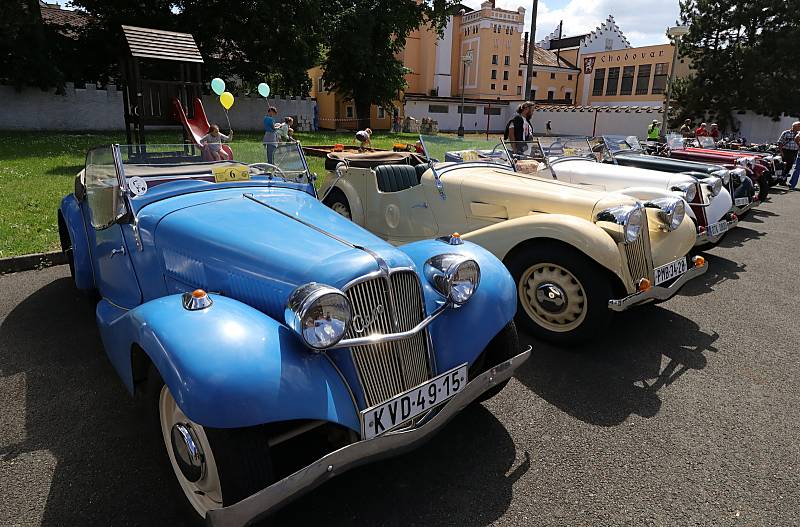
pixel 205 493
pixel 337 201
pixel 553 296
pixel 342 209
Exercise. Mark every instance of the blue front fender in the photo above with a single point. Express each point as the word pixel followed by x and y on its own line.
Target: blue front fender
pixel 461 334
pixel 73 219
pixel 229 365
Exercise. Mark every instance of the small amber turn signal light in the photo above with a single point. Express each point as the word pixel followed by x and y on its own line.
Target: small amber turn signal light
pixel 198 293
pixel 197 299
pixel 699 261
pixel 643 285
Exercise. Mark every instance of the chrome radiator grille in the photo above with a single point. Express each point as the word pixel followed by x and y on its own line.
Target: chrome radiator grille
pixel 388 369
pixel 640 261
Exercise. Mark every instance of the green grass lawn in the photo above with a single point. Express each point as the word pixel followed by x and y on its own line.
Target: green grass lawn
pixel 37 170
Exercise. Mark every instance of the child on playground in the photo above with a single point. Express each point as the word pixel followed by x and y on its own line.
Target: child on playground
pixel 213 141
pixel 364 138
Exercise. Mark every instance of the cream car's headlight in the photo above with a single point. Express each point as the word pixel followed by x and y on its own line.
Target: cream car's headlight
pixel 319 313
pixel 737 175
pixel 454 276
pixel 714 185
pixel 629 216
pixel 671 211
pixel 688 191
pixel 724 175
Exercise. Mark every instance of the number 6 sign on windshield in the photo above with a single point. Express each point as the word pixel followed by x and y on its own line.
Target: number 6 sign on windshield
pixel 231 173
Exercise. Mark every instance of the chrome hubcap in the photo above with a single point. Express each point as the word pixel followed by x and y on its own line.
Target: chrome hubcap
pixel 188 453
pixel 553 297
pixel 342 209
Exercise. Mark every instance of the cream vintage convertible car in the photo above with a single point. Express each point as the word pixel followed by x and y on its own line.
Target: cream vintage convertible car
pixel 576 254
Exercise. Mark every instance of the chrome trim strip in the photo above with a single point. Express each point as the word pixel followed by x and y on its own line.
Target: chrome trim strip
pixel 656 292
pixel 382 338
pixel 356 454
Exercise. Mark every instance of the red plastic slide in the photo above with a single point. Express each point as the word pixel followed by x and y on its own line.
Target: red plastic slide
pixel 198 126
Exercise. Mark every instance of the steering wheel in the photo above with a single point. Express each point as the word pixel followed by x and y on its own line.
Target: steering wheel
pixel 263 167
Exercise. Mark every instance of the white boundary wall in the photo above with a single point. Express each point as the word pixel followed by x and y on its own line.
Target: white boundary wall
pixel 448 122
pixel 761 129
pixel 582 121
pixel 93 109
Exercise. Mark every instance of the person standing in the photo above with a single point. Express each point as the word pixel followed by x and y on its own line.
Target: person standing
pixel 686 129
pixel 270 136
pixel 796 170
pixel 714 132
pixel 549 128
pixel 519 128
pixel 788 146
pixel 653 131
pixel 702 131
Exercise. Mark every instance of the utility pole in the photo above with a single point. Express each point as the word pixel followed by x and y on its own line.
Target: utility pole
pixel 531 46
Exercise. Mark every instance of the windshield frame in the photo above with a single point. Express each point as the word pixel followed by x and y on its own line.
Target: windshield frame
pixel 611 138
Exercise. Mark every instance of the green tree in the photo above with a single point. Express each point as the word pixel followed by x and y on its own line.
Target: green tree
pixel 363 41
pixel 744 56
pixel 25 54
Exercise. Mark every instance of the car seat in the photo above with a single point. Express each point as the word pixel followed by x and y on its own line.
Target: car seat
pixel 394 178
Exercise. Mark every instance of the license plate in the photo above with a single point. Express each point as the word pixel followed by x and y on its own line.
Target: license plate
pixel 741 202
pixel 715 229
pixel 396 411
pixel 778 172
pixel 670 270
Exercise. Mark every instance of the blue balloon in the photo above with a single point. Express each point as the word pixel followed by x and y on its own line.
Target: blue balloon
pixel 263 89
pixel 218 86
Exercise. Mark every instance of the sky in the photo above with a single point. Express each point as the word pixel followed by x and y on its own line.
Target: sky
pixel 643 22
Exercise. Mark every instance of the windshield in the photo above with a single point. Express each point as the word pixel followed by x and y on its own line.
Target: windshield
pixel 622 143
pixel 452 149
pixel 675 142
pixel 559 147
pixel 146 166
pixel 706 142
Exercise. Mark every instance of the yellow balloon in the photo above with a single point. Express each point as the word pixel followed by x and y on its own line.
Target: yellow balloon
pixel 226 100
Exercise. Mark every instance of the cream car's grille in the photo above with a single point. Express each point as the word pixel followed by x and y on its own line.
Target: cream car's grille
pixel 640 260
pixel 388 369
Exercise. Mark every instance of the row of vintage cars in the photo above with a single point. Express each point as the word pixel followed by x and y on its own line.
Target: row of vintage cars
pixel 277 335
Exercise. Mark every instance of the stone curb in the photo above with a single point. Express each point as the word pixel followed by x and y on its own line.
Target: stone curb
pixel 27 262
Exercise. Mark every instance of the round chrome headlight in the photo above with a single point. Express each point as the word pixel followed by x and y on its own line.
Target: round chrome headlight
pixel 724 175
pixel 688 191
pixel 672 211
pixel 714 185
pixel 320 314
pixel 737 175
pixel 454 276
pixel 630 217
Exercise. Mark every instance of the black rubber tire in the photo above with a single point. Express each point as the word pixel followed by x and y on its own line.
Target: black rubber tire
pixel 242 455
pixel 66 245
pixel 763 187
pixel 502 347
pixel 595 280
pixel 337 196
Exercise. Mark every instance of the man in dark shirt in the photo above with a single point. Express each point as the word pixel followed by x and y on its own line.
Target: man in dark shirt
pixel 519 128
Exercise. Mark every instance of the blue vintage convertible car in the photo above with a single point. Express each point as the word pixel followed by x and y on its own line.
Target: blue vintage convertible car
pixel 278 344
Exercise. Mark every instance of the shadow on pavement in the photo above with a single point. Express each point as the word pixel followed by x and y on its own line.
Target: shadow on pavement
pixel 621 373
pixel 740 236
pixel 107 471
pixel 719 270
pixel 756 215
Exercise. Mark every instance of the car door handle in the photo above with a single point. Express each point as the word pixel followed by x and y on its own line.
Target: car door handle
pixel 115 252
pixel 423 205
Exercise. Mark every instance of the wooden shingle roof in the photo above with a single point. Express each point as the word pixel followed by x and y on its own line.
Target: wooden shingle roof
pixel 158 44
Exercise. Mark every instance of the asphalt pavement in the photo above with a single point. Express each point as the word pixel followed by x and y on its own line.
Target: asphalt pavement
pixel 684 413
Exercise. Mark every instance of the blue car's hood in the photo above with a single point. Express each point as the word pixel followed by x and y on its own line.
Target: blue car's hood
pixel 230 243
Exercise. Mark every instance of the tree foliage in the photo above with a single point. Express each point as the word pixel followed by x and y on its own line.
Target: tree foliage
pixel 25 53
pixel 745 58
pixel 363 41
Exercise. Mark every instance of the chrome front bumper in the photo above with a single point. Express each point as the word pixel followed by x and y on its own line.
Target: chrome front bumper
pixel 657 292
pixel 390 444
pixel 704 238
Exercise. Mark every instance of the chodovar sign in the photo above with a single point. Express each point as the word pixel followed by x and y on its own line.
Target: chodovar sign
pixel 627 55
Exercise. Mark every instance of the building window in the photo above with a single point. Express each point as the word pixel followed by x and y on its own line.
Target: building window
pixel 491 111
pixel 533 74
pixel 609 44
pixel 505 75
pixel 381 113
pixel 320 85
pixel 550 95
pixel 613 81
pixel 494 74
pixel 492 87
pixel 552 75
pixel 507 60
pixel 505 87
pixel 494 59
pixel 438 108
pixel 568 97
pixel 519 73
pixel 468 109
pixel 599 79
pixel 533 95
pixel 660 79
pixel 349 112
pixel 519 90
pixel 569 77
pixel 627 80
pixel 643 80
